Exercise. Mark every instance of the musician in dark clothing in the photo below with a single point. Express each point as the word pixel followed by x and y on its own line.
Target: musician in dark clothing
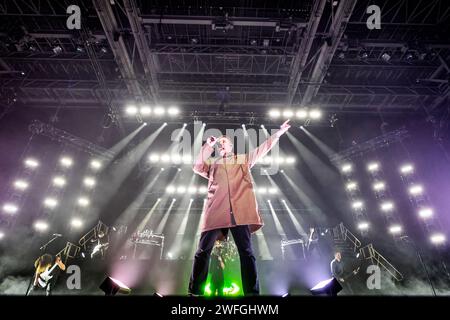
pixel 217 266
pixel 337 269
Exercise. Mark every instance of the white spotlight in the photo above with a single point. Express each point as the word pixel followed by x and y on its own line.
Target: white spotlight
pixel 154 157
pixel 31 163
pixel 83 202
pixel 379 186
pixel 262 190
pixel 20 184
pixel 407 169
pixel 290 160
pixel 437 238
pixel 159 111
pixel 89 182
pixel 315 114
pixel 346 168
pixel 10 208
pixel 170 189
pixel 66 162
pixel 50 202
pixel 363 226
pixel 373 166
pixel 262 127
pixel 288 113
pixel 176 158
pixel 416 190
pixel 192 190
pixel 352 186
pixel 302 114
pixel 96 164
pixel 131 110
pixel 273 190
pixel 76 223
pixel 202 190
pixel 425 213
pixel 59 181
pixel 357 204
pixel 165 158
pixel 145 110
pixel 395 229
pixel 40 226
pixel 187 159
pixel 173 111
pixel 181 189
pixel 387 206
pixel 2 235
pixel 274 113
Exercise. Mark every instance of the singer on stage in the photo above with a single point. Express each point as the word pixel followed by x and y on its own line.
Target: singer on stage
pixel 231 205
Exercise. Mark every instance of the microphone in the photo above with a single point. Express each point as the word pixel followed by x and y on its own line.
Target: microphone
pixel 57 235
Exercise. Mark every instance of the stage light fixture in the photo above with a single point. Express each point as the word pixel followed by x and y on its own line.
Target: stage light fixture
pixel 290 160
pixel 41 226
pixel 173 111
pixel 96 164
pixel 262 190
pixel 165 158
pixel 352 186
pixel 31 163
pixel 288 113
pixel 2 235
pixel 66 162
pixel 76 223
pixel 192 190
pixel 59 181
pixel 346 168
pixel 395 229
pixel 50 202
pixel 425 213
pixel 273 190
pixel 89 182
pixel 386 57
pixel 274 113
pixel 315 114
pixel 171 189
pixel 111 287
pixel 202 190
pixel 387 206
pixel 416 190
pixel 20 184
pixel 176 158
pixel 159 111
pixel 181 189
pixel 154 158
pixel 131 110
pixel 329 287
pixel 373 166
pixel 357 204
pixel 187 159
pixel 83 202
pixel 407 169
pixel 379 186
pixel 10 208
pixel 437 238
pixel 363 225
pixel 145 111
pixel 302 114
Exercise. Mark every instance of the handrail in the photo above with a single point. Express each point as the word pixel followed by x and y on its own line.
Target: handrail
pixel 379 260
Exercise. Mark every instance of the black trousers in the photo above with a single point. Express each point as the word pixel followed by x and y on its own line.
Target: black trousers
pixel 249 275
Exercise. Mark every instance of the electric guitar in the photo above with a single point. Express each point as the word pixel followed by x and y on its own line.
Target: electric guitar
pixel 45 277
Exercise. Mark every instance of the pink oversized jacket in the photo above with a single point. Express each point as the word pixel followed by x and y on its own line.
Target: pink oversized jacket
pixel 230 188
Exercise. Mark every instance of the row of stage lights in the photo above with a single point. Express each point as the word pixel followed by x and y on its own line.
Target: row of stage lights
pixel 302 114
pixel 203 190
pixel 58 181
pixel 187 159
pixel 415 190
pixel 145 111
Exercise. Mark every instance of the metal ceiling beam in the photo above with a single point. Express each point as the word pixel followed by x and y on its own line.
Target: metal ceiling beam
pixel 147 57
pixel 110 26
pixel 339 22
pixel 305 48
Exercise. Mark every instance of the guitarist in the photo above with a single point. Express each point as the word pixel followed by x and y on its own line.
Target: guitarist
pixel 46 270
pixel 337 270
